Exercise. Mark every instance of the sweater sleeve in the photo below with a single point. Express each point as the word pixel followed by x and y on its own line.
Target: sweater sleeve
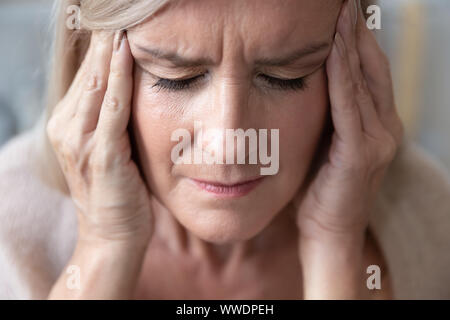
pixel 37 226
pixel 411 221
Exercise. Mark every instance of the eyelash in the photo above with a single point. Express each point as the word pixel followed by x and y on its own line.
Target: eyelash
pixel 288 84
pixel 176 85
pixel 276 83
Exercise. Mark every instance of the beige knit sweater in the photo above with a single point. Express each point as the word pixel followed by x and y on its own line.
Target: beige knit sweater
pixel 411 222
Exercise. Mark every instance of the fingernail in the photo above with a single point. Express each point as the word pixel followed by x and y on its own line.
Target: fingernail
pixel 118 40
pixel 339 44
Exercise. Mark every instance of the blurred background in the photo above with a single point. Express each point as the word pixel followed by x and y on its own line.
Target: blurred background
pixel 414 33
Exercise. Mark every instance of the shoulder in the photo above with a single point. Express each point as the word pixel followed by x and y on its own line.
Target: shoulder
pixel 411 221
pixel 37 229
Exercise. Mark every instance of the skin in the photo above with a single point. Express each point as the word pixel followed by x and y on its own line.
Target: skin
pixel 146 232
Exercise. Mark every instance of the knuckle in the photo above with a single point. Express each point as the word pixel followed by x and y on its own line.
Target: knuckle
pixel 68 152
pixel 394 123
pixel 115 73
pixel 54 132
pixel 111 102
pixel 359 89
pixel 101 84
pixel 51 128
pixel 387 151
pixel 92 83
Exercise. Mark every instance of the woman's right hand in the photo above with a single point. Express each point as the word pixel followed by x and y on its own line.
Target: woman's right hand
pixel 88 132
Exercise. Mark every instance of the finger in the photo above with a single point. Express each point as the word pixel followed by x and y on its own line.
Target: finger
pixel 115 111
pixel 97 42
pixel 344 111
pixel 347 28
pixel 375 66
pixel 84 67
pixel 94 86
pixel 97 60
pixel 376 70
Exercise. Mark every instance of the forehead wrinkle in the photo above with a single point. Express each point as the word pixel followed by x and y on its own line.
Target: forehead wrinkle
pixel 174 57
pixel 276 31
pixel 236 32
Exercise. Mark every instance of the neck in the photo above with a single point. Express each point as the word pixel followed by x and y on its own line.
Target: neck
pixel 179 240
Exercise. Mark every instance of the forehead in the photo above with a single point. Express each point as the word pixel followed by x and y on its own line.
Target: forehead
pixel 199 26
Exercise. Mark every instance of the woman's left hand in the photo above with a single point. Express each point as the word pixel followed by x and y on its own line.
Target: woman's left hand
pixel 333 212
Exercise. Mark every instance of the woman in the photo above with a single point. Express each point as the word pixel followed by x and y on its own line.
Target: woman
pixel 149 226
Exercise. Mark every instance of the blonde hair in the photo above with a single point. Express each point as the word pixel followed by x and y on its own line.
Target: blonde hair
pixel 68 50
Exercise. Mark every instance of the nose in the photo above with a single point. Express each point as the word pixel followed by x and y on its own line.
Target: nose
pixel 228 109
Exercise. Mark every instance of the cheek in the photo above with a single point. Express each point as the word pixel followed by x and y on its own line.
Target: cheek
pixel 152 128
pixel 302 124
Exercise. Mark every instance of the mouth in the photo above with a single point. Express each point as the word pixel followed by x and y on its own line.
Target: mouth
pixel 227 190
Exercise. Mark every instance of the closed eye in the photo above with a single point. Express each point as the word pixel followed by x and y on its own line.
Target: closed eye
pixel 285 84
pixel 176 85
pixel 276 83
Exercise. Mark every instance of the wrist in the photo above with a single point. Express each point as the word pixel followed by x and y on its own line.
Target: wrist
pixel 332 265
pixel 103 269
pixel 114 236
pixel 351 240
pixel 95 244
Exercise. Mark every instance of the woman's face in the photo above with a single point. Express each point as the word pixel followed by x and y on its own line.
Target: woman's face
pixel 255 64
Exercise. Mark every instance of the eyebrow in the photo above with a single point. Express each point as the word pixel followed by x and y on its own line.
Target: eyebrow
pixel 174 57
pixel 180 61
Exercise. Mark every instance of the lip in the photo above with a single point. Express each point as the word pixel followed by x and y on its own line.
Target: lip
pixel 228 190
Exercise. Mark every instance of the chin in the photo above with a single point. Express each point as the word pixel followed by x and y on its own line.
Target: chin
pixel 221 220
pixel 225 226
